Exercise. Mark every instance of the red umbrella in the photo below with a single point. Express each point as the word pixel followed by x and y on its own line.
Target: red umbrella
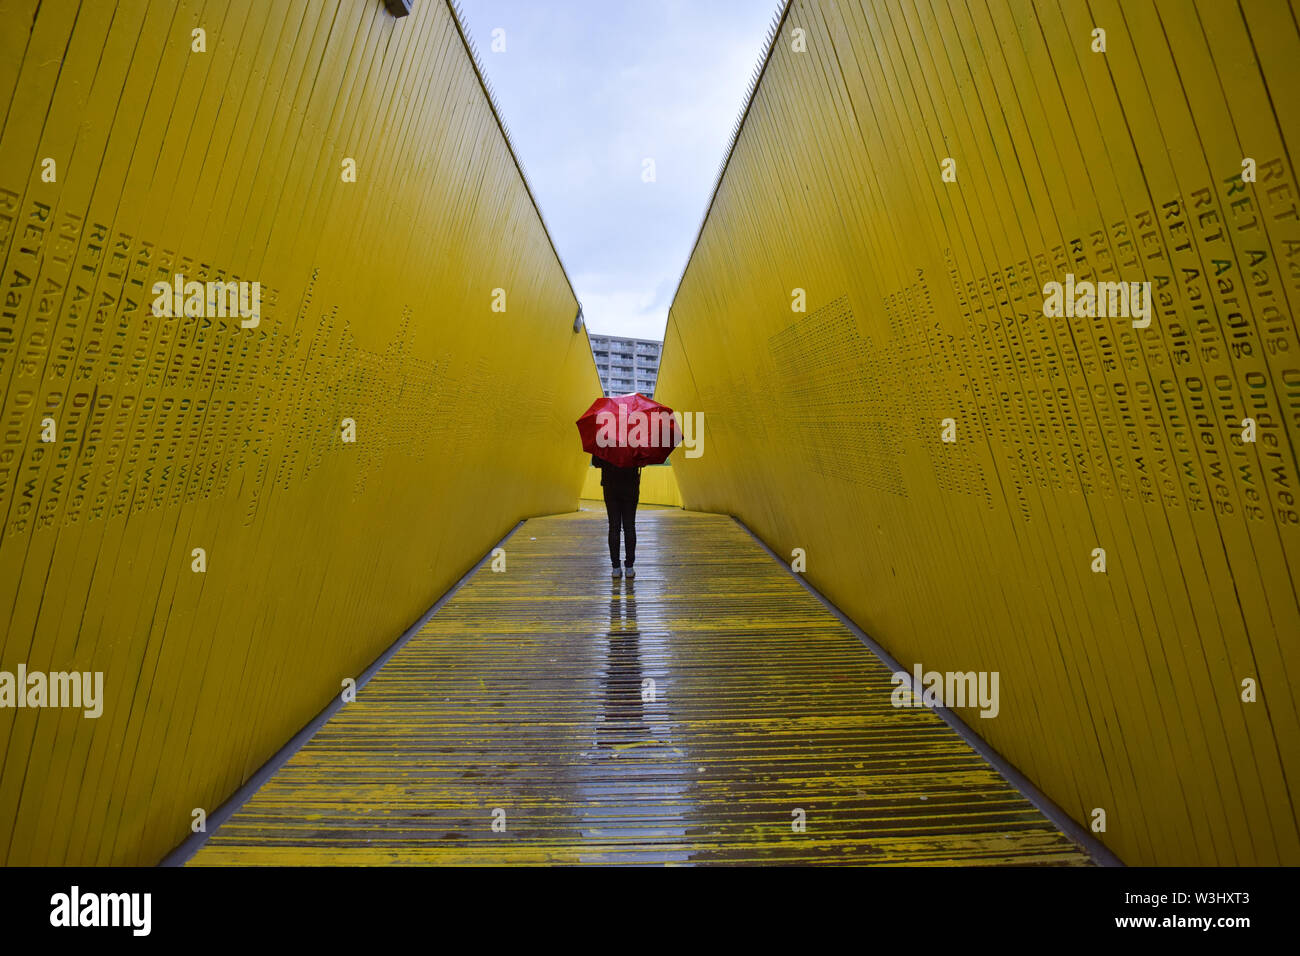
pixel 629 430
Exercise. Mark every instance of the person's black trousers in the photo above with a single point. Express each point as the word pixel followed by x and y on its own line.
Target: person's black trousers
pixel 621 508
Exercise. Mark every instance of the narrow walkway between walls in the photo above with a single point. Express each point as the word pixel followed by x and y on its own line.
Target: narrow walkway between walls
pixel 550 714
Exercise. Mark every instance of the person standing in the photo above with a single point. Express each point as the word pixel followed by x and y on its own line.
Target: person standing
pixel 622 490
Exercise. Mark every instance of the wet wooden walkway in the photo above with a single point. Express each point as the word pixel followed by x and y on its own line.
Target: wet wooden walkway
pixel 697 714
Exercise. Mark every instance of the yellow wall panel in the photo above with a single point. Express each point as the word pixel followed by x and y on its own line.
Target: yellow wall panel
pixel 1122 690
pixel 196 432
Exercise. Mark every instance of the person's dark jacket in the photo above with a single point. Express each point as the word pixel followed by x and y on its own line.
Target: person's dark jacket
pixel 616 480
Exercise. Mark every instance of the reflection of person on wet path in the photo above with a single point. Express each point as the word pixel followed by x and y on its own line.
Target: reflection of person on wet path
pixel 624 709
pixel 622 488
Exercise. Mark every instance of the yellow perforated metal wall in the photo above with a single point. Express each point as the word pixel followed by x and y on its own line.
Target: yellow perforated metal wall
pixel 1125 692
pixel 176 434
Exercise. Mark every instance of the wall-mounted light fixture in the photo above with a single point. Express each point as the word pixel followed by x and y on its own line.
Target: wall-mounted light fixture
pixel 398 8
pixel 577 319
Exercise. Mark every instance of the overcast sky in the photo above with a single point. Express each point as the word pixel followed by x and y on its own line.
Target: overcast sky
pixel 590 89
